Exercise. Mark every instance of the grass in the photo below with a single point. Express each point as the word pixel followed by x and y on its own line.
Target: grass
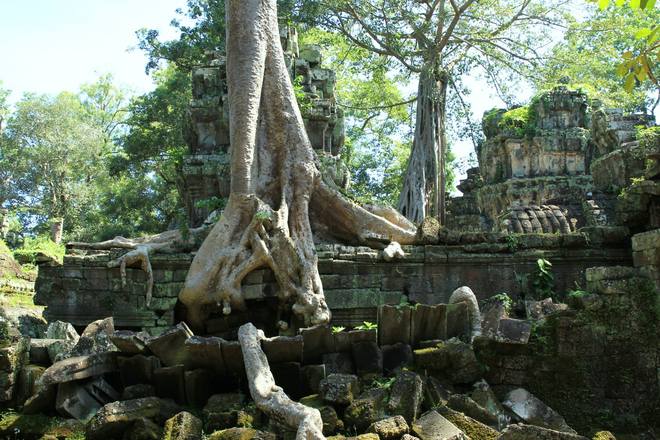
pixel 34 245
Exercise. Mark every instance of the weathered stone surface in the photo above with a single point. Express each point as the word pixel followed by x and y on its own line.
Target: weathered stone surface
pixel 169 346
pixel 432 426
pixel 26 385
pixel 428 322
pixel 534 412
pixel 529 432
pixel 392 428
pixel 81 400
pixel 169 383
pixel 435 393
pixel 288 376
pixel 183 426
pixel 77 368
pixel 396 357
pixel 39 351
pixel 464 404
pixel 394 324
pixel 12 360
pixel 94 339
pixel 138 391
pixel 365 410
pixel 367 357
pixel 60 349
pixel 282 349
pixel 129 342
pixel 338 363
pixel 312 375
pixel 200 384
pixel 515 331
pixel 484 396
pixel 453 359
pixel 138 369
pixel 61 330
pixel 317 341
pixel 540 309
pixel 406 395
pixel 242 434
pixel 339 389
pixel 144 429
pixel 115 418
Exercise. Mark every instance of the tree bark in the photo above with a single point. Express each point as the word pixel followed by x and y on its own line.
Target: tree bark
pixel 424 183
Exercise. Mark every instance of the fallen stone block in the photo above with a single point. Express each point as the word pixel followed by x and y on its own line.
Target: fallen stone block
pixel 183 426
pixel 533 411
pixel 529 432
pixel 27 383
pixel 241 434
pixel 77 368
pixel 170 384
pixel 339 389
pixel 392 428
pixel 516 331
pixel 39 351
pixel 204 352
pixel 62 330
pixel 367 357
pixel 464 404
pixel 169 346
pixel 312 375
pixel 281 349
pixel 396 357
pixel 428 322
pixel 317 340
pixel 137 369
pixel 393 324
pixel 81 400
pixel 129 342
pixel 138 391
pixel 433 426
pixel 200 385
pixel 144 429
pixel 338 363
pixel 406 395
pixel 115 418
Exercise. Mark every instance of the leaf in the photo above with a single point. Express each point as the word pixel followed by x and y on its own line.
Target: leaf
pixel 622 70
pixel 629 85
pixel 634 4
pixel 650 4
pixel 641 74
pixel 620 2
pixel 602 4
pixel 643 33
pixel 628 55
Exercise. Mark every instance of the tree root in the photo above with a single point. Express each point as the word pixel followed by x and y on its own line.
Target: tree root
pixel 269 397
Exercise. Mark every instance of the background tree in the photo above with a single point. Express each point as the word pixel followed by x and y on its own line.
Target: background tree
pixel 60 149
pixel 439 41
pixel 598 42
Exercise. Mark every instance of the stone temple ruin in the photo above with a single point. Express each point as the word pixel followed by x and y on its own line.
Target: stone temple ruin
pixel 557 188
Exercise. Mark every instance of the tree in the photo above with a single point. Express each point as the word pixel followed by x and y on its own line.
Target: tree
pixel 598 42
pixel 439 41
pixel 60 150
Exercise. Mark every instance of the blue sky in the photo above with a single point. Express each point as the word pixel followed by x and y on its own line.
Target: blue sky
pixel 54 45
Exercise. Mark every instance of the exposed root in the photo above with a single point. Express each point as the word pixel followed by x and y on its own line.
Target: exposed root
pixel 269 397
pixel 466 295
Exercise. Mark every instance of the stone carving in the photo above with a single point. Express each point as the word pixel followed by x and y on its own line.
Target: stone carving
pixel 537 219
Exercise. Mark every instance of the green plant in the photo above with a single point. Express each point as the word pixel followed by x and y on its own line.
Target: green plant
pixel 383 382
pixel 512 242
pixel 40 244
pixel 304 101
pixel 515 121
pixel 211 204
pixel 543 280
pixel 366 325
pixel 505 299
pixel 338 329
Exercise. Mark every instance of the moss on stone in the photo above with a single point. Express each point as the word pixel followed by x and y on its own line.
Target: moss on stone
pixel 474 429
pixel 15 425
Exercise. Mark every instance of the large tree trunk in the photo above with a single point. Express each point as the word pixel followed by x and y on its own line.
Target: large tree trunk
pixel 423 192
pixel 273 178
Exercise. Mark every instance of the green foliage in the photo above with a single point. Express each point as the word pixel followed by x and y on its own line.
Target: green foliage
pixel 505 300
pixel 263 216
pixel 41 244
pixel 211 204
pixel 649 138
pixel 338 329
pixel 305 103
pixel 543 280
pixel 383 382
pixel 366 325
pixel 515 121
pixel 598 42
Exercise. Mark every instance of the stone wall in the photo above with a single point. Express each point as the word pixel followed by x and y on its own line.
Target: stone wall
pixel 597 363
pixel 355 279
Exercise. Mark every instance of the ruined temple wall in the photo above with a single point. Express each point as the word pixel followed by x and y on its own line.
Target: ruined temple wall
pixel 355 279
